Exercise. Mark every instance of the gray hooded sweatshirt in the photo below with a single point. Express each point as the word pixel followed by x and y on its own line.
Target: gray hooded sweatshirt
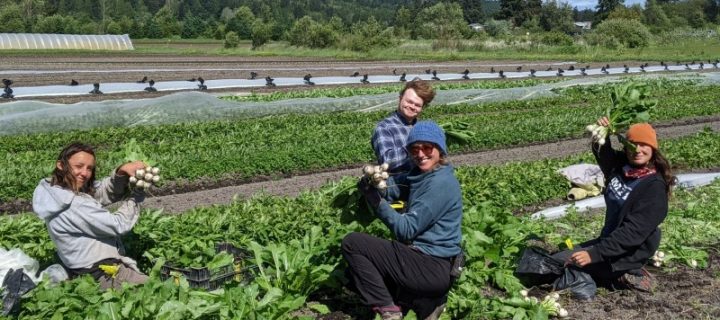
pixel 83 231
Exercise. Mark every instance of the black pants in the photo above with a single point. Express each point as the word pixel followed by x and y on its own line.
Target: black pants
pixel 388 272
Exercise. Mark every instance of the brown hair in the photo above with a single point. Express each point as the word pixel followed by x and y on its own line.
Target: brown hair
pixel 662 166
pixel 422 88
pixel 64 178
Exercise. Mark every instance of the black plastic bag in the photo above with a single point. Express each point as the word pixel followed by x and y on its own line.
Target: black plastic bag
pixel 579 283
pixel 537 267
pixel 16 284
pixel 458 264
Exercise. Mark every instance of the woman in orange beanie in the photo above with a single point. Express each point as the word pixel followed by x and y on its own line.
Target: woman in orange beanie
pixel 638 184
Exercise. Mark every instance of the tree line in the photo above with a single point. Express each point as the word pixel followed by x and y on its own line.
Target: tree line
pixel 346 24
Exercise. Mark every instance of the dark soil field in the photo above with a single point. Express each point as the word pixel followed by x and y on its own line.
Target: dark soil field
pixel 682 293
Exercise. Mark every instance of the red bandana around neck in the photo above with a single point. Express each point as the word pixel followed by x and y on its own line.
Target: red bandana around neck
pixel 637 173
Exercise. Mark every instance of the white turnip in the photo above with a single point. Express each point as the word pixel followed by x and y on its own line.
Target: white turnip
pixel 562 313
pixel 382 185
pixel 368 170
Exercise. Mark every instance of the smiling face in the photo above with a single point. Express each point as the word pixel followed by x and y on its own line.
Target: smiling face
pixel 410 105
pixel 641 156
pixel 82 168
pixel 426 155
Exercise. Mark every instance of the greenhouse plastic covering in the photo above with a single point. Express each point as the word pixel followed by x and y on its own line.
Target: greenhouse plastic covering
pixel 192 106
pixel 125 87
pixel 64 41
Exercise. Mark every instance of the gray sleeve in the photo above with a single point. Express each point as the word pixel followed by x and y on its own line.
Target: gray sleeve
pixel 89 218
pixel 112 189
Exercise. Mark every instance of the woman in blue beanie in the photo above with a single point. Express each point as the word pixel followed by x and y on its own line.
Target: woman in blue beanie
pixel 414 270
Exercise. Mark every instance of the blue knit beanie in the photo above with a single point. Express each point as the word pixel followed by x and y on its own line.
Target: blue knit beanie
pixel 427 131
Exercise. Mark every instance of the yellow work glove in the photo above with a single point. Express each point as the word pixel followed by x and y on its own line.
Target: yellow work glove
pixel 110 269
pixel 577 194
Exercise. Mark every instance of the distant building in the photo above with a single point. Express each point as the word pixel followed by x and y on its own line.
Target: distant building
pixel 582 26
pixel 476 27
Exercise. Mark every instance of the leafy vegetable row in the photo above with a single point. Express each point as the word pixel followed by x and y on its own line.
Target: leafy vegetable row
pixel 280 145
pixel 295 243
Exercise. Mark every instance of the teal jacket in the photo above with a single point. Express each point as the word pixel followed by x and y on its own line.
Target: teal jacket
pixel 434 210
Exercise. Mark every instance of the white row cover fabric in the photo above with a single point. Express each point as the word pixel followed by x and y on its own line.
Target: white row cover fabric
pixel 687 180
pixel 65 41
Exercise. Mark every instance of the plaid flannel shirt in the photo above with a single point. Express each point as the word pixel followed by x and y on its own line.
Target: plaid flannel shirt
pixel 388 142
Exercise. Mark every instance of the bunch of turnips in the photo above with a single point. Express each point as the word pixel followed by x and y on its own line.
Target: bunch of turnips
pixel 377 175
pixel 549 304
pixel 630 104
pixel 658 258
pixel 144 178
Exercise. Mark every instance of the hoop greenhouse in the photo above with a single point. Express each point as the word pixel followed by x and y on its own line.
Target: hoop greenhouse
pixel 65 41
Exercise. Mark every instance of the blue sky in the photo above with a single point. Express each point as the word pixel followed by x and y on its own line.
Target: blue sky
pixel 590 4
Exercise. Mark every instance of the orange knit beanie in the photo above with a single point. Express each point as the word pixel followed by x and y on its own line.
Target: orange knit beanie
pixel 644 133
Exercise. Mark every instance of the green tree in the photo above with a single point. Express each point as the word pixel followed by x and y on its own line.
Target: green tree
pixel 623 12
pixel 52 24
pixel 167 23
pixel 613 33
pixel 518 11
pixel 151 29
pixel 192 27
pixel 226 15
pixel 307 32
pixel 404 22
pixel 693 11
pixel 232 40
pixel 442 21
pixel 112 27
pixel 369 34
pixel 261 34
pixel 654 17
pixel 242 22
pixel 473 11
pixel 337 25
pixel 126 24
pixel 219 32
pixel 604 7
pixel 11 16
pixel 33 9
pixel 557 17
pixel 497 28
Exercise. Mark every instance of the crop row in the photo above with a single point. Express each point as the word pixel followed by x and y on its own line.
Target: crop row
pixel 296 259
pixel 288 144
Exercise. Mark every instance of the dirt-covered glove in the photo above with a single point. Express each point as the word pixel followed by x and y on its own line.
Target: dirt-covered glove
pixel 369 192
pixel 377 175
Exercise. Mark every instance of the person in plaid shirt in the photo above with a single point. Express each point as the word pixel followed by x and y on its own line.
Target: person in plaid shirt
pixel 390 134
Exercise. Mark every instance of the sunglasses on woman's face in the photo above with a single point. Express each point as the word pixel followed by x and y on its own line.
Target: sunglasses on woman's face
pixel 426 148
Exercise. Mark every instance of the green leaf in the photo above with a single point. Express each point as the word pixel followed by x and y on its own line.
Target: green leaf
pixel 172 310
pixel 320 308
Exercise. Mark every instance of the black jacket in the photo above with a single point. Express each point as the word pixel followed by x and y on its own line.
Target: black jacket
pixel 636 237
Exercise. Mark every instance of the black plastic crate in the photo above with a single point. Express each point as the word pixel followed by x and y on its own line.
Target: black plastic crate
pixel 212 279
